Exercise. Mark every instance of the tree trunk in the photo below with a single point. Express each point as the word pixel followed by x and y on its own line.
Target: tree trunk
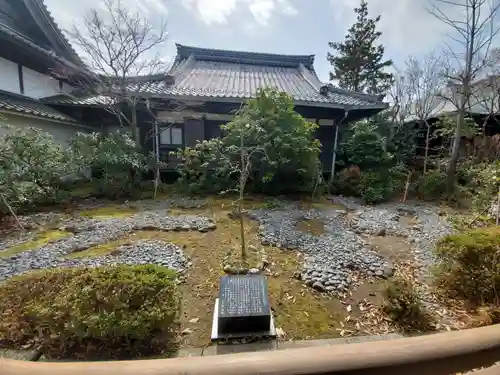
pixel 451 170
pixel 243 172
pixel 135 129
pixel 427 139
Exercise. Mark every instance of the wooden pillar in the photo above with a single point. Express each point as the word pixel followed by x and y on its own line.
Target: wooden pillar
pixel 334 155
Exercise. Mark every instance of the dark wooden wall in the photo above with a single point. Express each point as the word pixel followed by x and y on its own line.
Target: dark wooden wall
pixel 200 129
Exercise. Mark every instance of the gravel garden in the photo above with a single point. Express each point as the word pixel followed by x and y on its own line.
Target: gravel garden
pixel 113 264
pixel 322 260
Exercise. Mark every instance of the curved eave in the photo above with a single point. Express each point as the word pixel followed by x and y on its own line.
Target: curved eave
pixel 48 24
pixel 238 100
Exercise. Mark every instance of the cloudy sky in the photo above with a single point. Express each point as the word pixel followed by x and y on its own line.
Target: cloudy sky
pixel 276 26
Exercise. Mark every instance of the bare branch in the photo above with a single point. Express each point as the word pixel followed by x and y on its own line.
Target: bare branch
pixel 474 32
pixel 119 46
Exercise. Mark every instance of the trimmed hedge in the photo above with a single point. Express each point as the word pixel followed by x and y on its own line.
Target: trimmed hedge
pixel 470 265
pixel 118 312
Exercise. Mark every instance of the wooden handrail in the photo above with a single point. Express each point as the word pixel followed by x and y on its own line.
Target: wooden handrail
pixel 444 353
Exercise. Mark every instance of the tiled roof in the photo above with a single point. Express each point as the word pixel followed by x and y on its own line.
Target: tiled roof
pixel 42 17
pixel 22 104
pixel 40 6
pixel 23 39
pixel 96 100
pixel 217 75
pixel 204 73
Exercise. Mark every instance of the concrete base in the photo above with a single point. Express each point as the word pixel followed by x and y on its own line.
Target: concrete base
pixel 215 336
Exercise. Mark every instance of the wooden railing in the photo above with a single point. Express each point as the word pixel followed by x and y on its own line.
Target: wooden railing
pixel 445 353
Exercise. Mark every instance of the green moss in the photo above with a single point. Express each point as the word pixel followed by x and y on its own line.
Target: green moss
pixel 82 192
pixel 99 250
pixel 40 240
pixel 109 212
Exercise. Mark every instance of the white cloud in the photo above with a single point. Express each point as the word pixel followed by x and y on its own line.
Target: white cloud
pixel 212 11
pixel 68 13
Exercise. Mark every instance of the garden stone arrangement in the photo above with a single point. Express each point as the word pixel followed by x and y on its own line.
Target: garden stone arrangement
pixel 331 257
pixel 85 233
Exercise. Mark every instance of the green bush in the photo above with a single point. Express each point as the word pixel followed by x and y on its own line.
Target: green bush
pixel 32 169
pixel 403 306
pixel 114 158
pixel 373 173
pixel 98 313
pixel 205 169
pixel 485 184
pixel 469 266
pixel 279 143
pixel 371 185
pixel 347 181
pixel 366 148
pixel 380 186
pixel 432 184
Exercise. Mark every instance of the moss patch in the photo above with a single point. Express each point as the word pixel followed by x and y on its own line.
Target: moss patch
pixel 40 240
pixel 101 250
pixel 313 226
pixel 300 311
pixel 109 212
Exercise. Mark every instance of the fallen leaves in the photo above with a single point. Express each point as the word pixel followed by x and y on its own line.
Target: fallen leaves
pixel 186 331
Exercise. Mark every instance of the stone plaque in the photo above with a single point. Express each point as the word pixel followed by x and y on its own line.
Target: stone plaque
pixel 243 305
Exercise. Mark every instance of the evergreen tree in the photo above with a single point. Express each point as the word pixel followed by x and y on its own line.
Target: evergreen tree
pixel 358 61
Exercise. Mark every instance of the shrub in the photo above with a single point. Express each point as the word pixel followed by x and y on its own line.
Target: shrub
pixel 32 167
pixel 347 181
pixel 113 157
pixel 205 169
pixel 111 312
pixel 366 148
pixel 371 185
pixel 284 152
pixel 403 306
pixel 469 265
pixel 432 184
pixel 374 174
pixel 379 186
pixel 485 184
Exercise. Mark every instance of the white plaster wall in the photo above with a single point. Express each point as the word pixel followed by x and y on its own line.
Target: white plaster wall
pixel 9 76
pixel 38 85
pixel 60 132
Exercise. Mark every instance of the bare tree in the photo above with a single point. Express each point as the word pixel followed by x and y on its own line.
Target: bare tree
pixel 424 82
pixel 400 98
pixel 473 27
pixel 122 49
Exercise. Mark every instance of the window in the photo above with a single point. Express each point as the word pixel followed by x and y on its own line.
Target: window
pixel 171 136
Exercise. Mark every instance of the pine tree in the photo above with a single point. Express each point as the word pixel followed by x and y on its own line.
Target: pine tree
pixel 358 61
